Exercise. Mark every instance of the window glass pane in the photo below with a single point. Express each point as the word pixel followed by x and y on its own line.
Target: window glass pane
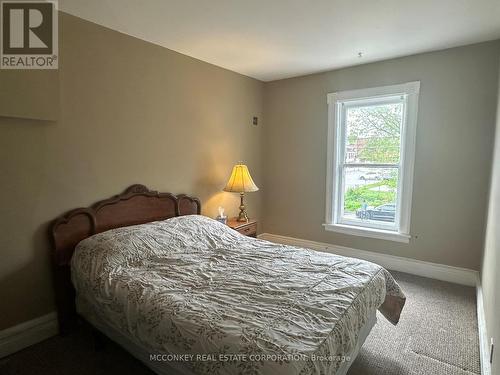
pixel 370 194
pixel 373 133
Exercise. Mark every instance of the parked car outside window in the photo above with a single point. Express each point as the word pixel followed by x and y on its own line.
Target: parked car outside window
pixel 385 212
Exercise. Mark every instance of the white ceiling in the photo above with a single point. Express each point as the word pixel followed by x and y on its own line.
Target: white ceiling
pixel 273 39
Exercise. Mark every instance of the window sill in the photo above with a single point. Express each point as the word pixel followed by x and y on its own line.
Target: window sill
pixel 368 232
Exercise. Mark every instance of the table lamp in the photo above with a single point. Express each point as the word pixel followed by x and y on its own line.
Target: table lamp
pixel 241 182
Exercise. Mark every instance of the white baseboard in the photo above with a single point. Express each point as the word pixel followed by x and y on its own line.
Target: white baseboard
pixel 28 333
pixel 484 343
pixel 436 271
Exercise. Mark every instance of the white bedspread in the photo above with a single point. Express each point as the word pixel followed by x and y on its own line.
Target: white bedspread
pixel 192 286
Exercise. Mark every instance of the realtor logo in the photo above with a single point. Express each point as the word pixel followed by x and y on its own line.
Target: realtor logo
pixel 29 35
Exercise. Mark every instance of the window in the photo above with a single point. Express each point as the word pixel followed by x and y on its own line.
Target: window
pixel 371 147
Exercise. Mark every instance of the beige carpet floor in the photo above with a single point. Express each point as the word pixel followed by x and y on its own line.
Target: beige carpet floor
pixel 437 335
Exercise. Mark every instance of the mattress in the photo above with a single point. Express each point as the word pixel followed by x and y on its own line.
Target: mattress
pixel 208 300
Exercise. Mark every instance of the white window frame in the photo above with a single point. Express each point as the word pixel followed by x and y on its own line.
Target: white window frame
pixel 406 93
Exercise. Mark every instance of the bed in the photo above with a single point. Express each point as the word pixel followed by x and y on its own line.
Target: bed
pixel 188 295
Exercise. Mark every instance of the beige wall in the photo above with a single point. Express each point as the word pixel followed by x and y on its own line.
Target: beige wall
pixel 40 88
pixel 453 152
pixel 130 112
pixel 491 259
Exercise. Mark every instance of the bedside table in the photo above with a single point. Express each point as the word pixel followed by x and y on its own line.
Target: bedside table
pixel 248 228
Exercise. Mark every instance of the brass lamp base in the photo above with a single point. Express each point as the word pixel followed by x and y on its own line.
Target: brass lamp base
pixel 242 217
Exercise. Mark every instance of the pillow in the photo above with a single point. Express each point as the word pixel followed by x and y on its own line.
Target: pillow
pixel 126 246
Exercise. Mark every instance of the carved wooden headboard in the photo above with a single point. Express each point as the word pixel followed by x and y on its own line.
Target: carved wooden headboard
pixel 136 205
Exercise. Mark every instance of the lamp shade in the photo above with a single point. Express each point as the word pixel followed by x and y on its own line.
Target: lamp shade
pixel 240 180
